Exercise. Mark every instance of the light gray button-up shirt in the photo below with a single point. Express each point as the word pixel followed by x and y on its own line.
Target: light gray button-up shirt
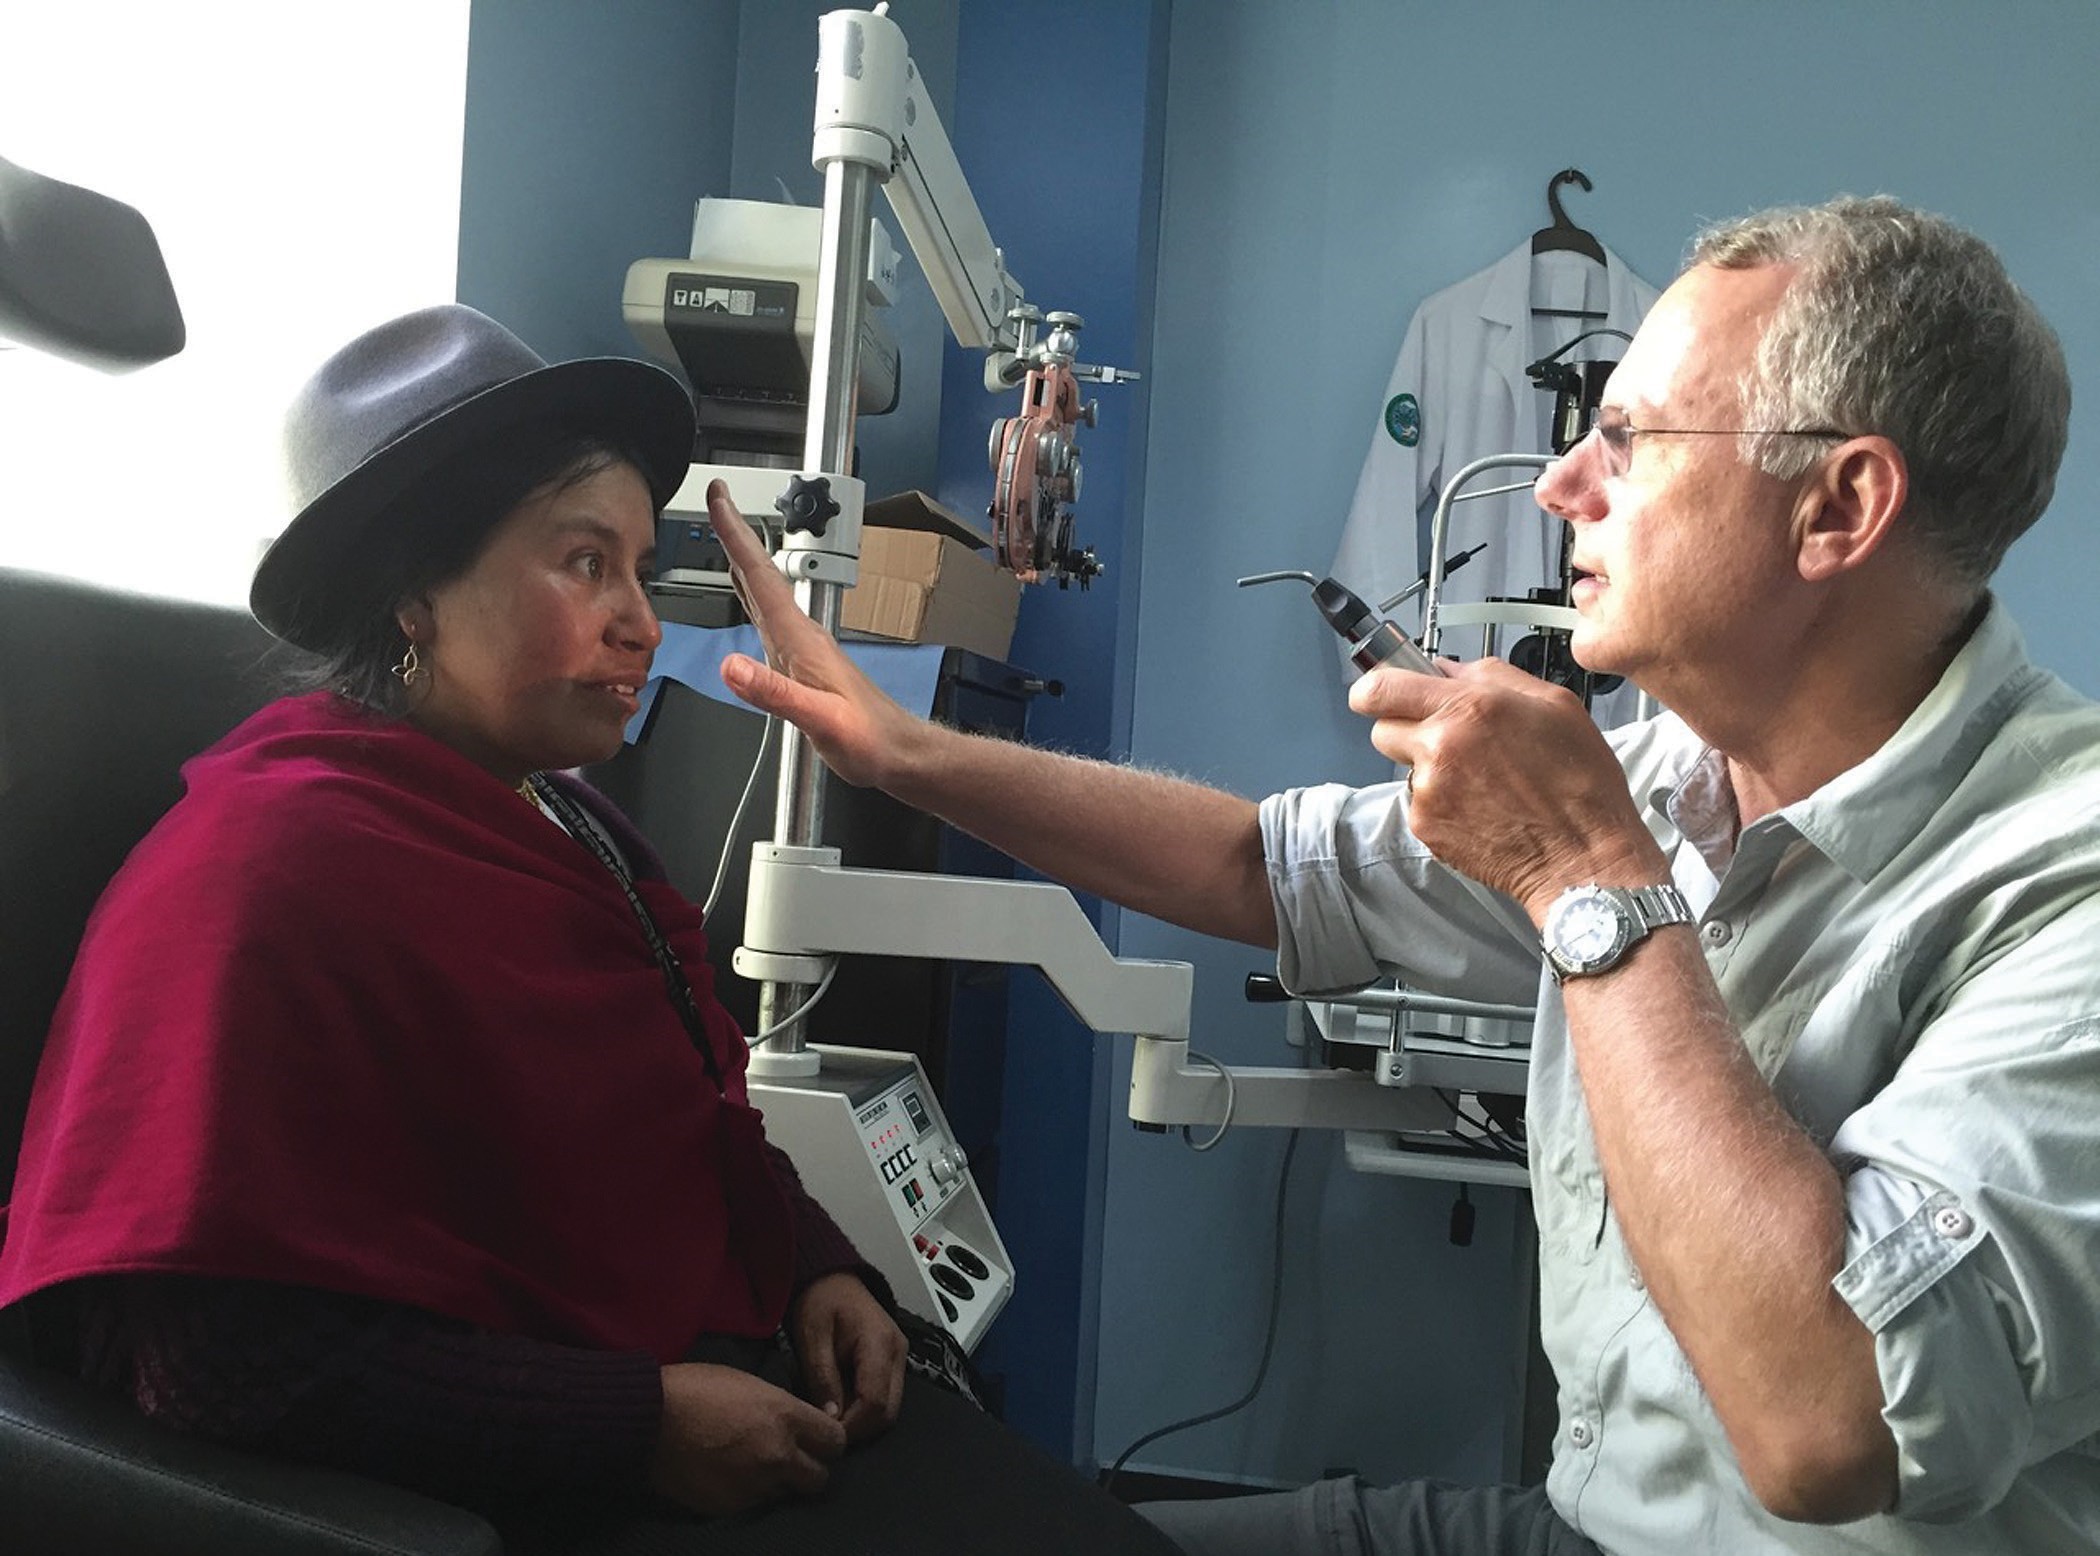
pixel 1912 955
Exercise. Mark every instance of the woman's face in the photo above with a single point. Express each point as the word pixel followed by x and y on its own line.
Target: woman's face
pixel 537 653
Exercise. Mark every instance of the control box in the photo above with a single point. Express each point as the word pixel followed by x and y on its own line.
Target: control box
pixel 872 1145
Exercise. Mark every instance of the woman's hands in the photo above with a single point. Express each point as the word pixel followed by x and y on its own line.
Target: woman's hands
pixel 731 1441
pixel 852 1353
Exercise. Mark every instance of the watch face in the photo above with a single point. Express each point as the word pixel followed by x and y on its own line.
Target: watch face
pixel 1587 931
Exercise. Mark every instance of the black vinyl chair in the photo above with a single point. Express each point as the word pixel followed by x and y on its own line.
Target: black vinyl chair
pixel 103 695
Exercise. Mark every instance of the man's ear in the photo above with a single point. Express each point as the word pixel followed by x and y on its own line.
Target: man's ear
pixel 1850 507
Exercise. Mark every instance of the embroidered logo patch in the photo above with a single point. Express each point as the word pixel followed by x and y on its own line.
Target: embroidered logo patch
pixel 1403 420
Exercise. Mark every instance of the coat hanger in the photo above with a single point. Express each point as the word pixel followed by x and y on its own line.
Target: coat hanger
pixel 1564 234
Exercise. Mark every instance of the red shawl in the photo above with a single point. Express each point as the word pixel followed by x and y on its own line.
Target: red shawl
pixel 356 1015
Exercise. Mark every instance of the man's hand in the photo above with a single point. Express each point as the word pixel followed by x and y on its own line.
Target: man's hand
pixel 731 1441
pixel 854 726
pixel 1512 784
pixel 852 1353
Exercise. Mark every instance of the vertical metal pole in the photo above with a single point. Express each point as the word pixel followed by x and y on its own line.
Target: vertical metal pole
pixel 834 381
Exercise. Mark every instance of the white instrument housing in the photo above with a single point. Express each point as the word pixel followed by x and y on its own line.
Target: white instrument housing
pixel 873 1146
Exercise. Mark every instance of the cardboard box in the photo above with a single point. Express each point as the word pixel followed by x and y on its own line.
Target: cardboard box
pixel 928 577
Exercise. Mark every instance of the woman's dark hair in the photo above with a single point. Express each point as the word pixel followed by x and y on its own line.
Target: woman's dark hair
pixel 432 535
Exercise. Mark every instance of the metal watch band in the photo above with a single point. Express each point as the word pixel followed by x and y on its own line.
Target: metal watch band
pixel 1656 906
pixel 1638 911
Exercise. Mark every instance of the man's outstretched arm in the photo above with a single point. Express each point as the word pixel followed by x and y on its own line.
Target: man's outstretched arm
pixel 1174 849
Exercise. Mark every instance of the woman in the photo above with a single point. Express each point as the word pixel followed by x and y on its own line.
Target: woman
pixel 388 1119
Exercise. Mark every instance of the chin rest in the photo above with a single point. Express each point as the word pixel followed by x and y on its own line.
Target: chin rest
pixel 103 695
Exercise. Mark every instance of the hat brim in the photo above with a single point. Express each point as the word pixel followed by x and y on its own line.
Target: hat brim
pixel 296 592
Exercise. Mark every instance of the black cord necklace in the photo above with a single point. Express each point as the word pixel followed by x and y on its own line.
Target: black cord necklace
pixel 542 791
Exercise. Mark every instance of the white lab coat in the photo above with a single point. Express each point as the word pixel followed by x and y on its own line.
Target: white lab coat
pixel 1459 393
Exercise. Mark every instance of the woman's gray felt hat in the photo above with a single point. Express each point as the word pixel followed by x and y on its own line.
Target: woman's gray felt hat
pixel 389 410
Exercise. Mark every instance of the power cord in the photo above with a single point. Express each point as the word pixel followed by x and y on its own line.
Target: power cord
pixel 1231 1101
pixel 1268 1344
pixel 736 820
pixel 800 1010
pixel 1493 1140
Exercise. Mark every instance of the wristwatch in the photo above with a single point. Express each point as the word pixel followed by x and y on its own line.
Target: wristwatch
pixel 1589 929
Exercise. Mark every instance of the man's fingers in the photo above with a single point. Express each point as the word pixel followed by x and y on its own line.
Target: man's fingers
pixel 1405 694
pixel 758 582
pixel 738 538
pixel 767 690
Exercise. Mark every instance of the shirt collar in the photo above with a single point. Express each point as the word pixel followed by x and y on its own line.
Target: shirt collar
pixel 1506 299
pixel 1862 817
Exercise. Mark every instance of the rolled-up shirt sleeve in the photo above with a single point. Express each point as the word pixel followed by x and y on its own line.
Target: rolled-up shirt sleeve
pixel 1357 897
pixel 1973 1209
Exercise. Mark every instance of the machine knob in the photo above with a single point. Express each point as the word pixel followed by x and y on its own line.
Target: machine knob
pixel 1265 989
pixel 1082 565
pixel 948 1164
pixel 807 504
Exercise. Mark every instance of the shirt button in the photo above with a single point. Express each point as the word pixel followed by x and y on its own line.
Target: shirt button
pixel 1579 1434
pixel 1951 1222
pixel 1719 931
pixel 1634 1280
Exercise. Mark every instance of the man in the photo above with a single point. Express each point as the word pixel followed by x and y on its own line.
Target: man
pixel 1814 1150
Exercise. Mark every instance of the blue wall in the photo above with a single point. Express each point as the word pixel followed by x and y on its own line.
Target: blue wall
pixel 1328 166
pixel 1059 125
pixel 589 131
pixel 775 104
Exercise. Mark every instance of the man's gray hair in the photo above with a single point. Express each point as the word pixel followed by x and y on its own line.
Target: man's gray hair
pixel 1901 324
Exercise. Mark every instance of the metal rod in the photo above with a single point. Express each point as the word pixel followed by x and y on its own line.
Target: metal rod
pixel 1284 577
pixel 834 382
pixel 1434 1004
pixel 1441 524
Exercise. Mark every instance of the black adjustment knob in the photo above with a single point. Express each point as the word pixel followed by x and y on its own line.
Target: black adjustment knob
pixel 1082 565
pixel 1462 1219
pixel 807 504
pixel 1266 989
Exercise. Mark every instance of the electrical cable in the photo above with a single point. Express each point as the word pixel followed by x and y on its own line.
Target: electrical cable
pixel 736 820
pixel 1231 1100
pixel 800 1010
pixel 1491 1142
pixel 1268 1344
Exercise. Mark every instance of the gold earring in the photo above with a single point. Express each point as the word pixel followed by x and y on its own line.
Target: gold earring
pixel 411 669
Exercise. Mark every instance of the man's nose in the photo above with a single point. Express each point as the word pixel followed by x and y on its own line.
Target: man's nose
pixel 1569 488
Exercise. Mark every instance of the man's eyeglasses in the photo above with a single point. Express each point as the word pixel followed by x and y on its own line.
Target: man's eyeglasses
pixel 1615 435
